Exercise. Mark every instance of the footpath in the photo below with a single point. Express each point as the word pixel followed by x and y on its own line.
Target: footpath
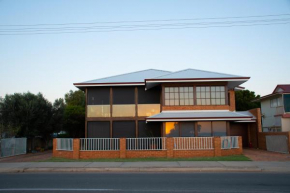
pixel 153 166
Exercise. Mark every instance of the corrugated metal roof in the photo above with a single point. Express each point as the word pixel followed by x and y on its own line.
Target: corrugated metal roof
pixel 231 115
pixel 138 76
pixel 194 73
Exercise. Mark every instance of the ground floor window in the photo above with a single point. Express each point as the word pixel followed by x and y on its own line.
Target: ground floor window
pixel 98 129
pixel 195 129
pixel 149 129
pixel 179 129
pixel 124 129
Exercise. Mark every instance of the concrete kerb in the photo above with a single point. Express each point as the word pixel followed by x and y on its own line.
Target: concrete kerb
pixel 117 170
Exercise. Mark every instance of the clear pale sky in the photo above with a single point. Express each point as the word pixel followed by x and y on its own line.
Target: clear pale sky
pixel 50 64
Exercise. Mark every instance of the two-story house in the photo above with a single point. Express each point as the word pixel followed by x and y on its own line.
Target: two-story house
pixel 155 103
pixel 275 109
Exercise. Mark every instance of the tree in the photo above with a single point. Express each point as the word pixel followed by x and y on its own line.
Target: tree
pixel 74 113
pixel 244 100
pixel 26 115
pixel 57 115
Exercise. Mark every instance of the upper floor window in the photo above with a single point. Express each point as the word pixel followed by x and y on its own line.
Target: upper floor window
pixel 210 95
pixel 179 96
pixel 276 102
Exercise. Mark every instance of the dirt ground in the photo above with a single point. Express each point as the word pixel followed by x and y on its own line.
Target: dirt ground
pixel 30 157
pixel 262 155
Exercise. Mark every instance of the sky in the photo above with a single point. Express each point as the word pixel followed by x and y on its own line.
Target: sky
pixel 51 63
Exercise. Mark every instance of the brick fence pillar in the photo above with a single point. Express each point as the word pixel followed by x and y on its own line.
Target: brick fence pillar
pixel 123 148
pixel 54 145
pixel 169 147
pixel 217 146
pixel 240 145
pixel 76 148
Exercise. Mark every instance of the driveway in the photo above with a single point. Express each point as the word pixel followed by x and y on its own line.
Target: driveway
pixel 262 155
pixel 30 157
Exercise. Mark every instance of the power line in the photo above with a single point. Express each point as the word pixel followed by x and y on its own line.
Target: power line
pixel 247 25
pixel 142 21
pixel 138 26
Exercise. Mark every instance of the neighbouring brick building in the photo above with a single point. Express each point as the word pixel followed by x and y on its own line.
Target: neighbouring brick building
pixel 157 103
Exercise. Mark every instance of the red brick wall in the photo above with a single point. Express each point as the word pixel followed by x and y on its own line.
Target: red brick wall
pixel 236 151
pixel 61 153
pixel 193 153
pixel 144 154
pixel 99 154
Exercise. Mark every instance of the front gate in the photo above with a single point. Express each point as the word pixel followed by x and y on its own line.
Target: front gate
pixel 277 143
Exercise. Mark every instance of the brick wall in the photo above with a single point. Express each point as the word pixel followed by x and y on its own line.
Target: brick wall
pixel 124 153
pixel 236 151
pixel 262 138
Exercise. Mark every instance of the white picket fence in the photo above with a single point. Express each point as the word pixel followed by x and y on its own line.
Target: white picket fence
pixel 193 143
pixel 152 143
pixel 99 144
pixel 13 146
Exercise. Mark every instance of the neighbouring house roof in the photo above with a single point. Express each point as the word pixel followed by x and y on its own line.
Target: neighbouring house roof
pixel 279 89
pixel 282 88
pixel 153 77
pixel 205 115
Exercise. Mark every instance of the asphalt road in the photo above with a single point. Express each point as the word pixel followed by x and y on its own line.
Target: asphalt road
pixel 145 182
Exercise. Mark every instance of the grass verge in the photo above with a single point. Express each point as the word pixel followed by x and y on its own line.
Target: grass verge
pixel 224 158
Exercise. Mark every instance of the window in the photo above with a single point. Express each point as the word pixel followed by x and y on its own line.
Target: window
pixel 146 110
pixel 124 129
pixel 171 96
pixel 287 102
pixel 179 96
pixel 219 128
pixel 210 95
pixel 98 111
pixel 149 129
pixel 204 129
pixel 171 129
pixel 99 129
pixel 276 102
pixel 186 129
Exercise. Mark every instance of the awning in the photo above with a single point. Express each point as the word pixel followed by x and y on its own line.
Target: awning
pixel 205 115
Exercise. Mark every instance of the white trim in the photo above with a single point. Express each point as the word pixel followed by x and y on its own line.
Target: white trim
pixel 191 119
pixel 250 121
pixel 204 80
pixel 196 111
pixel 100 84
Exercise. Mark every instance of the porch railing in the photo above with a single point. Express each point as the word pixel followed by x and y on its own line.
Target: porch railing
pixel 64 144
pixel 193 143
pixel 152 143
pixel 99 144
pixel 229 142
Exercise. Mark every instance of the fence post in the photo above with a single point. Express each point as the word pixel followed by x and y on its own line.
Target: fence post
pixel 54 146
pixel 169 147
pixel 123 148
pixel 76 148
pixel 217 146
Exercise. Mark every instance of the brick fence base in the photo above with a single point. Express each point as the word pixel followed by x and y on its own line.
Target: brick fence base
pixel 170 152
